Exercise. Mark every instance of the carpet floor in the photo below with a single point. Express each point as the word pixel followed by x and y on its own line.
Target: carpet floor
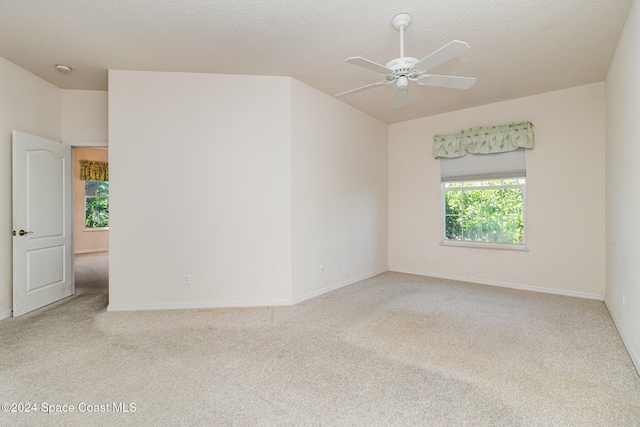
pixel 392 350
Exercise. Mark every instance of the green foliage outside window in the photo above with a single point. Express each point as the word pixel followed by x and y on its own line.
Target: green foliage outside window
pixel 96 204
pixel 487 211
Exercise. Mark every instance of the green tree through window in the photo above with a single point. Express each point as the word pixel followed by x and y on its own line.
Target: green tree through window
pixel 96 196
pixel 484 211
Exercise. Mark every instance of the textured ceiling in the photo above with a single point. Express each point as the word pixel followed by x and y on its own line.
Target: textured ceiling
pixel 518 48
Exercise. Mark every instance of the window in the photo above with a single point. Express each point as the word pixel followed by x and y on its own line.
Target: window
pixel 96 202
pixel 484 212
pixel 483 199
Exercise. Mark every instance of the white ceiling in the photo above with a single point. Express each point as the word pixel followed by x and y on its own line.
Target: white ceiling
pixel 518 48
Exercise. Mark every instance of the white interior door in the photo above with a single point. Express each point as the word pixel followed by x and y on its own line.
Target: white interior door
pixel 42 222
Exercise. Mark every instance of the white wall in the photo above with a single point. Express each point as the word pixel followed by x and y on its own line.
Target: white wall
pixel 85 116
pixel 339 176
pixel 200 183
pixel 564 201
pixel 623 185
pixel 31 105
pixel 85 120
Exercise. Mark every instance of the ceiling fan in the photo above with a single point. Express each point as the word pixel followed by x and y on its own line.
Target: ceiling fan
pixel 405 68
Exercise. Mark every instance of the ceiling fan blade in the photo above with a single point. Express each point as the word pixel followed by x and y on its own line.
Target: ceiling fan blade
pixel 453 82
pixel 360 89
pixel 369 65
pixel 442 55
pixel 400 98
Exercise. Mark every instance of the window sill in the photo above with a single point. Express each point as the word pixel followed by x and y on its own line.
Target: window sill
pixel 478 245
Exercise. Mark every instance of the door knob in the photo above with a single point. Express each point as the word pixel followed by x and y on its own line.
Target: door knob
pixel 22 232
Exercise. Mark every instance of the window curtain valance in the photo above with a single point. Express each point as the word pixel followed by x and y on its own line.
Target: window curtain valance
pixel 94 171
pixel 495 139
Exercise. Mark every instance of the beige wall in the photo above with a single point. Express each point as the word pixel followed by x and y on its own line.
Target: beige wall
pixel 85 116
pixel 31 105
pixel 200 182
pixel 86 240
pixel 565 211
pixel 339 178
pixel 85 121
pixel 623 185
pixel 265 179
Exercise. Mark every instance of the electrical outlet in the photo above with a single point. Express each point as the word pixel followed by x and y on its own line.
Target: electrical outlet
pixel 421 256
pixel 322 269
pixel 338 265
pixel 187 279
pixel 623 300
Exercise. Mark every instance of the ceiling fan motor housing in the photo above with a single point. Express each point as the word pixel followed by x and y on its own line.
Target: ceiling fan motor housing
pixel 402 65
pixel 403 70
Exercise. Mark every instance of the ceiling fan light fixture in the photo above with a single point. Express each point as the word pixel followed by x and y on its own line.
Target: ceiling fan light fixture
pixel 402 83
pixel 63 68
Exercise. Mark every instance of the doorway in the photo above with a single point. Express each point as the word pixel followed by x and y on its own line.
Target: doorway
pixel 91 226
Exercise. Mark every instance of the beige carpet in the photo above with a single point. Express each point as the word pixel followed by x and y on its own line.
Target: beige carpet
pixel 393 350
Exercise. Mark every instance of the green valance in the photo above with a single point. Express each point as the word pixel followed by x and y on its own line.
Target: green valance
pixel 94 171
pixel 495 139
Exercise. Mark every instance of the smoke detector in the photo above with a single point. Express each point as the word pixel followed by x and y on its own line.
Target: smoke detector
pixel 63 68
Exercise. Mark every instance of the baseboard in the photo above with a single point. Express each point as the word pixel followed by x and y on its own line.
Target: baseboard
pixel 584 295
pixel 197 305
pixel 334 287
pixel 632 351
pixel 91 251
pixel 6 314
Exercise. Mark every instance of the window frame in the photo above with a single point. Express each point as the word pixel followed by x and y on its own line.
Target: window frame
pixel 487 245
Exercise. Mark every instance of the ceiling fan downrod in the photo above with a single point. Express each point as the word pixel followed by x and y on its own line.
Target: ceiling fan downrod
pixel 400 22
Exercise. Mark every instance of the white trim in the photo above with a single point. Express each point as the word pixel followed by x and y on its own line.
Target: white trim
pixel 485 245
pixel 91 251
pixel 336 286
pixel 6 314
pixel 583 295
pixel 632 352
pixel 235 304
pixel 191 305
pixel 89 144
